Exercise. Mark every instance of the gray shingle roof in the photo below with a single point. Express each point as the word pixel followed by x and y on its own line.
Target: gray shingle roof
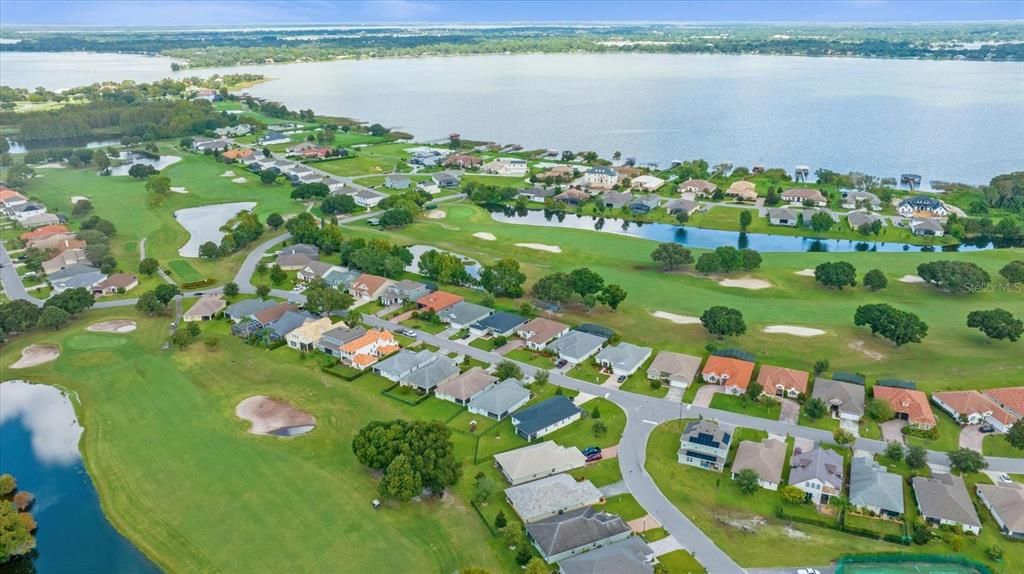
pixel 848 396
pixel 432 374
pixel 544 414
pixel 501 397
pixel 944 496
pixel 464 313
pixel 820 463
pixel 575 529
pixel 500 322
pixel 576 344
pixel 247 307
pixel 548 496
pixel 872 485
pixel 624 356
pixel 626 557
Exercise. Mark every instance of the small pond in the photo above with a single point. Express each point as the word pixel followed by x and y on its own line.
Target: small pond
pixel 203 223
pixel 39 437
pixel 132 158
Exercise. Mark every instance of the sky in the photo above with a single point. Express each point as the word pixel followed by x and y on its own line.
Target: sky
pixel 216 13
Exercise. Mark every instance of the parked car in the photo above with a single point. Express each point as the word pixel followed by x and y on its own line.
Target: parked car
pixel 986 428
pixel 622 379
pixel 1005 477
pixel 594 457
pixel 591 450
pixel 807 571
pixel 561 363
pixel 408 333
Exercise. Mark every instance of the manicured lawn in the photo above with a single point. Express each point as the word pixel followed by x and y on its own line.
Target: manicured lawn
pixel 951 357
pixel 625 506
pixel 529 357
pixel 183 271
pixel 581 433
pixel 766 409
pixel 691 391
pixel 681 562
pixel 870 429
pixel 654 534
pixel 483 344
pixel 601 473
pixel 882 526
pixel 949 434
pixel 143 407
pixel 588 371
pixel 433 328
pixel 997 445
pixel 639 383
pixel 824 423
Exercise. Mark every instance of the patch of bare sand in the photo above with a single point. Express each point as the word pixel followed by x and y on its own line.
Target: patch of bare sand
pixel 239 180
pixel 33 355
pixel 436 214
pixel 178 189
pixel 793 330
pixel 794 533
pixel 113 326
pixel 271 416
pixel 677 319
pixel 485 236
pixel 745 283
pixel 858 345
pixel 805 272
pixel 541 247
pixel 228 173
pixel 76 198
pixel 751 524
pixel 911 279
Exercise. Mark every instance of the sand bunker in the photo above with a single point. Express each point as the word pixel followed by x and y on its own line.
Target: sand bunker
pixel 911 279
pixel 273 417
pixel 178 189
pixel 745 283
pixel 541 247
pixel 805 273
pixel 76 198
pixel 113 326
pixel 485 236
pixel 791 330
pixel 436 214
pixel 858 345
pixel 33 355
pixel 228 173
pixel 677 319
pixel 239 180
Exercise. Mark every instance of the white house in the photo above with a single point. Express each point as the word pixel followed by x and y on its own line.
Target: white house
pixel 507 166
pixel 308 335
pixel 601 177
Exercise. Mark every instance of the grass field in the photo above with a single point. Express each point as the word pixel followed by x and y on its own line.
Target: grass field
pixel 171 461
pixel 766 410
pixel 183 271
pixel 951 357
pixel 997 445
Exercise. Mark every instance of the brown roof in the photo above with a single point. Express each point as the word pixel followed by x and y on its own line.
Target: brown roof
pixel 271 314
pixel 803 193
pixel 206 305
pixel 766 458
pixel 438 300
pixel 913 403
pixel 543 329
pixel 462 160
pixel 739 371
pixel 973 402
pixel 44 231
pixel 742 189
pixel 60 241
pixel 771 377
pixel 117 281
pixel 699 184
pixel 369 284
pixel 467 385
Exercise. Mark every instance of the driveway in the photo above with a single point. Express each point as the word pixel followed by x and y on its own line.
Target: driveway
pixel 848 425
pixel 893 430
pixel 790 410
pixel 510 346
pixel 614 489
pixel 971 437
pixel 675 394
pixel 705 393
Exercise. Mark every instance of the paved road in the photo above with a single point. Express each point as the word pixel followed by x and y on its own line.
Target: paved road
pixel 13 286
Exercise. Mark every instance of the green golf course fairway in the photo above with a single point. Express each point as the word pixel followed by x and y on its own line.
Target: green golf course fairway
pixel 176 470
pixel 950 357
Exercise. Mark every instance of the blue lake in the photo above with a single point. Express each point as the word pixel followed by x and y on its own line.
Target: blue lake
pixel 39 445
pixel 711 238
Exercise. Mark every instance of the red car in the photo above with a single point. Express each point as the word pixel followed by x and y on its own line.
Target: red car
pixel 594 457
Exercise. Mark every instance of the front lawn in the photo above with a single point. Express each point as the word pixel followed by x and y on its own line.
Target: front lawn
pixel 581 433
pixel 949 434
pixel 681 562
pixel 766 410
pixel 588 371
pixel 427 326
pixel 601 473
pixel 824 423
pixel 524 355
pixel 625 506
pixel 997 445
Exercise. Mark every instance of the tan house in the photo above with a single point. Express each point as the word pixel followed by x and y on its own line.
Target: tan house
pixel 63 259
pixel 677 369
pixel 766 458
pixel 1006 503
pixel 306 337
pixel 801 196
pixel 698 187
pixel 116 283
pixel 540 331
pixel 368 286
pixel 742 190
pixel 205 309
pixel 58 242
pixel 461 389
pixel 782 382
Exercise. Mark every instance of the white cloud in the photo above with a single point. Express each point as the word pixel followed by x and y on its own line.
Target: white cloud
pixel 49 417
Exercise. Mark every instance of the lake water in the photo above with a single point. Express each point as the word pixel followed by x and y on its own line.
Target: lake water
pixel 39 437
pixel 708 238
pixel 203 223
pixel 62 70
pixel 131 159
pixel 946 120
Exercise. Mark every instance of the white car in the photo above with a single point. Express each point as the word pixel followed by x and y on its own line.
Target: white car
pixel 1005 477
pixel 807 571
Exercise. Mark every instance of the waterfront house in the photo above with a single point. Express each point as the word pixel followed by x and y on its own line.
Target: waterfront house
pixel 926 227
pixel 506 166
pixel 858 218
pixel 1006 503
pixel 782 382
pixel 550 496
pixel 545 417
pixel 922 206
pixel 855 199
pixel 742 191
pixel 766 458
pixel 205 309
pixel 677 369
pixel 462 161
pixel 306 337
pixel 540 331
pixel 677 206
pixel 644 204
pixel 733 374
pixel 500 400
pixel 844 400
pixel 818 472
pixel 616 199
pixel 698 187
pixel 647 183
pixel 573 196
pixel 875 489
pixel 705 444
pixel 536 194
pixel 575 532
pixel 943 500
pixel 538 461
pixel 802 196
pixel 907 404
pixel 463 388
pixel 783 216
pixel 576 346
pixel 623 359
pixel 601 177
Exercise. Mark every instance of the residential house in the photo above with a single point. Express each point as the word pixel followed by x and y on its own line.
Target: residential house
pixel 705 444
pixel 210 144
pixel 367 198
pixel 58 242
pixel 943 500
pixel 300 148
pixel 630 556
pixel 368 286
pixel 601 177
pixel 361 350
pixel 537 194
pixel 537 461
pixel 9 199
pixel 301 249
pixel 500 400
pixel 429 376
pixel 402 292
pixel 306 337
pixel 293 261
pixel 75 276
pixel 907 404
pixel 246 307
pixel 677 206
pixel 545 417
pixel 572 196
pixel 782 382
pixel 463 388
pixel 502 324
pixel 243 155
pixel 733 374
pixel 551 496
pixel 331 342
pixel 272 138
pixel 844 400
pixel 338 278
pixel 44 232
pixel 1011 399
pixel 205 309
pixel 557 173
pixel 623 359
pixel 116 283
pixel 698 187
pixel 926 227
pixel 428 187
pixel 445 180
pixel 397 181
pixel 291 320
pixel 462 161
pixel 438 301
pixel 855 199
pixel 507 166
pixel 1006 503
pixel 39 220
pixel 463 314
pixel 24 211
pixel 647 183
pixel 783 216
pixel 314 270
pixel 616 199
pixel 677 369
pixel 540 331
pixel 742 190
pixel 576 346
pixel 800 196
pixel 234 131
pixel 575 532
pixel 766 458
pixel 858 218
pixel 63 259
pixel 974 408
pixel 259 319
pixel 644 204
pixel 922 206
pixel 875 489
pixel 818 472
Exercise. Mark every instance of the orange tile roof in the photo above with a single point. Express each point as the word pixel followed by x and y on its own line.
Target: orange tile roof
pixel 770 376
pixel 972 402
pixel 369 284
pixel 364 359
pixel 7 193
pixel 237 153
pixel 44 231
pixel 387 350
pixel 1009 397
pixel 739 371
pixel 379 336
pixel 438 300
pixel 913 403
